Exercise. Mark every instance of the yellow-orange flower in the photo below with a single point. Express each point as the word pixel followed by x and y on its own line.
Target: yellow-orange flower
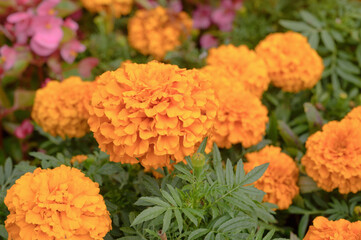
pixel 60 108
pixel 333 156
pixel 279 182
pixel 292 64
pixel 354 114
pixel 59 203
pixel 333 230
pixel 243 65
pixel 157 31
pixel 241 116
pixel 116 8
pixel 149 113
pixel 78 158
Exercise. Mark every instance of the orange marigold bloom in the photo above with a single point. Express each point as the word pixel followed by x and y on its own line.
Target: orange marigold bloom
pixel 79 158
pixel 292 64
pixel 60 108
pixel 158 31
pixel 279 182
pixel 59 203
pixel 149 113
pixel 116 8
pixel 333 230
pixel 243 65
pixel 354 114
pixel 241 116
pixel 333 156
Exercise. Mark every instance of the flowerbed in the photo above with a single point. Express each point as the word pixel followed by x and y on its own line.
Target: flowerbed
pixel 174 119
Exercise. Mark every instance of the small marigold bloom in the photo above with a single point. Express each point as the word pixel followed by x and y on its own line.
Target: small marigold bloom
pixel 333 230
pixel 241 116
pixel 157 31
pixel 59 203
pixel 152 112
pixel 61 108
pixel 243 65
pixel 292 64
pixel 354 114
pixel 116 8
pixel 333 156
pixel 279 182
pixel 78 158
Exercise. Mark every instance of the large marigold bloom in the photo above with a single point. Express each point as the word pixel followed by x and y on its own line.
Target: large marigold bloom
pixel 243 65
pixel 241 116
pixel 279 182
pixel 354 114
pixel 333 230
pixel 149 113
pixel 116 8
pixel 61 108
pixel 59 203
pixel 292 64
pixel 333 156
pixel 157 31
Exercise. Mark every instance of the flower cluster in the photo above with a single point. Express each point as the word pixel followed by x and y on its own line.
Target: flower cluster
pixel 152 112
pixel 279 182
pixel 61 108
pixel 292 64
pixel 354 114
pixel 243 66
pixel 241 116
pixel 116 8
pixel 78 158
pixel 334 230
pixel 158 31
pixel 58 203
pixel 333 156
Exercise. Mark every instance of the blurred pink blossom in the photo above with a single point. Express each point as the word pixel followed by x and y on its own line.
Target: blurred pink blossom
pixel 21 22
pixel 224 15
pixel 47 8
pixel 8 56
pixel 201 17
pixel 208 41
pixel 70 50
pixel 86 66
pixel 176 6
pixel 70 23
pixel 45 82
pixel 24 130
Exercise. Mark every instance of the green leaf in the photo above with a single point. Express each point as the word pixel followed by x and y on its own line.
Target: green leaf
pixel 348 66
pixel 240 173
pixel 289 136
pixel 175 195
pixel 143 201
pixel 314 118
pixel 358 54
pixel 130 238
pixel 203 146
pixel 335 84
pixel 168 197
pixel 3 232
pixel 148 214
pixel 349 77
pixel 302 227
pixel 178 217
pixel 310 19
pixel 269 235
pixel 23 98
pixel 217 164
pixel 327 40
pixel 2 175
pixel 255 174
pixel 337 36
pixel 295 26
pixel 128 230
pixel 314 40
pixel 196 234
pixel 8 168
pixel 166 220
pixel 307 184
pixel 190 216
pixel 229 174
pixel 237 224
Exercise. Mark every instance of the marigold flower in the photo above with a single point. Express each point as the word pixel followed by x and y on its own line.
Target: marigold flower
pixel 59 203
pixel 354 114
pixel 333 230
pixel 241 116
pixel 158 31
pixel 333 156
pixel 116 8
pixel 279 182
pixel 292 64
pixel 60 108
pixel 78 158
pixel 243 66
pixel 149 113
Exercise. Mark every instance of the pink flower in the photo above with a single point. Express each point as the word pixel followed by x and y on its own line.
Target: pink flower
pixel 201 17
pixel 224 15
pixel 208 41
pixel 21 22
pixel 47 8
pixel 24 130
pixel 70 50
pixel 8 56
pixel 45 82
pixel 86 66
pixel 70 23
pixel 176 6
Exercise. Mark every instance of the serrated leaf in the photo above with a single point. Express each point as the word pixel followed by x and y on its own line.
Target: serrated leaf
pixel 166 220
pixel 335 84
pixel 296 26
pixel 349 77
pixel 209 236
pixel 238 223
pixel 175 195
pixel 314 40
pixel 107 169
pixel 255 174
pixel 288 135
pixel 168 197
pixel 2 175
pixel 152 200
pixel 269 235
pixel 202 146
pixel 229 174
pixel 302 227
pixel 310 19
pixel 337 36
pixel 328 40
pixel 190 216
pixel 348 66
pixel 240 173
pixel 8 168
pixel 149 214
pixel 179 218
pixel 196 234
